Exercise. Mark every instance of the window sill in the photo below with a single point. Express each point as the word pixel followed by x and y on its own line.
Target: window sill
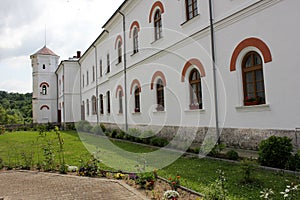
pixel 159 111
pixel 195 111
pixel 133 54
pixel 190 20
pixel 118 63
pixel 136 113
pixel 254 108
pixel 157 40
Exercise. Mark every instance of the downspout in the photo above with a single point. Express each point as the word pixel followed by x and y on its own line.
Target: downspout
pixel 125 72
pixel 64 96
pixel 214 69
pixel 80 92
pixel 96 58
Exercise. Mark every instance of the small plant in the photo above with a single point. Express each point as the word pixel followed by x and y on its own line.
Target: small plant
pixel 146 180
pixel 63 168
pixel 90 168
pixel 49 156
pixel 248 166
pixel 119 176
pixel 160 142
pixel 232 155
pixel 290 192
pixel 275 151
pixel 27 160
pixel 114 133
pixel 266 194
pixel 2 130
pixel 174 182
pixel 171 194
pixel 217 189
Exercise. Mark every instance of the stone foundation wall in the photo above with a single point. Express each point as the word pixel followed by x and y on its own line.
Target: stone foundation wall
pixel 233 137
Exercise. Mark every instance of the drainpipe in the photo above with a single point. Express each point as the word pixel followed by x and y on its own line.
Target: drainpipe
pixel 96 58
pixel 214 69
pixel 125 74
pixel 64 100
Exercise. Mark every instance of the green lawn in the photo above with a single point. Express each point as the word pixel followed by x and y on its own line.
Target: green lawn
pixel 195 173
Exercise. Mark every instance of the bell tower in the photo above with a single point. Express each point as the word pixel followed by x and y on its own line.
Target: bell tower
pixel 44 97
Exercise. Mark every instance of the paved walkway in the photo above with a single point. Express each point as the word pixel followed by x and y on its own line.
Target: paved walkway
pixel 17 185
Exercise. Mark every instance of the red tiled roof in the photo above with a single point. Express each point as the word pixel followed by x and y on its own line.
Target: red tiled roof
pixel 45 51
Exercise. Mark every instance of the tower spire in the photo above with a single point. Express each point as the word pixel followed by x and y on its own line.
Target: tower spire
pixel 45 35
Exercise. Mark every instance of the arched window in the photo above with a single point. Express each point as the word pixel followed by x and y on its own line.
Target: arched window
pixel 191 9
pixel 135 40
pixel 108 101
pixel 87 107
pixel 94 105
pixel 119 51
pixel 120 102
pixel 160 95
pixel 253 79
pixel 101 104
pixel 195 90
pixel 137 107
pixel 44 90
pixel 157 25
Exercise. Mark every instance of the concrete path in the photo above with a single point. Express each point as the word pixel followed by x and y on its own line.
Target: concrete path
pixel 17 185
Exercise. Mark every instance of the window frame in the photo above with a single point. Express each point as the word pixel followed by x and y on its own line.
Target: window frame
pixel 108 63
pixel 44 90
pixel 88 107
pixel 248 99
pixel 157 25
pixel 135 38
pixel 108 101
pixel 101 104
pixel 197 82
pixel 160 96
pixel 137 102
pixel 194 5
pixel 94 105
pixel 119 51
pixel 120 97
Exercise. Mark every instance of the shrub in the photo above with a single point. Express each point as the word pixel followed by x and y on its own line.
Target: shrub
pixel 232 155
pixel 146 180
pixel 120 135
pixel 160 142
pixel 294 162
pixel 275 151
pixel 248 166
pixel 2 130
pixel 90 168
pixel 134 134
pixel 103 128
pixel 1 163
pixel 84 126
pixel 97 130
pixel 114 133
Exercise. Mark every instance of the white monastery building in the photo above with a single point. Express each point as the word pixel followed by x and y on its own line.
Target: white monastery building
pixel 186 66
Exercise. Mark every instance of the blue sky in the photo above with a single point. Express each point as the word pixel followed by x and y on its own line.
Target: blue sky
pixel 71 25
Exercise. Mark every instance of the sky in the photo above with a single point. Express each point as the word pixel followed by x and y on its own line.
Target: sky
pixel 66 26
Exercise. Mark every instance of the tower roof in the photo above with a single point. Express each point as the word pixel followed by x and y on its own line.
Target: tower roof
pixel 45 51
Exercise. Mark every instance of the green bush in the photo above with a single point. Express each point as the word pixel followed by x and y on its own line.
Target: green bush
pixel 84 126
pixel 294 162
pixel 97 130
pixel 1 163
pixel 160 142
pixel 114 133
pixel 103 128
pixel 133 134
pixel 232 155
pixel 275 151
pixel 120 135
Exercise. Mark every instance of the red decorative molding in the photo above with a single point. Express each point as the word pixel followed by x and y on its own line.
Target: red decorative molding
pixel 194 62
pixel 160 75
pixel 44 106
pixel 117 39
pixel 156 4
pixel 44 83
pixel 134 24
pixel 135 82
pixel 117 90
pixel 254 42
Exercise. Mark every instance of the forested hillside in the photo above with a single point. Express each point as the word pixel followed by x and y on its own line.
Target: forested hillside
pixel 15 108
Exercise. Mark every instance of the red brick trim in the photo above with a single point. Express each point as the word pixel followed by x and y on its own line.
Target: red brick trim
pixel 135 82
pixel 117 90
pixel 134 24
pixel 255 42
pixel 156 4
pixel 44 83
pixel 189 63
pixel 117 39
pixel 44 106
pixel 158 74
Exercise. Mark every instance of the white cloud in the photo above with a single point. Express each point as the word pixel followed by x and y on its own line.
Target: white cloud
pixel 71 25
